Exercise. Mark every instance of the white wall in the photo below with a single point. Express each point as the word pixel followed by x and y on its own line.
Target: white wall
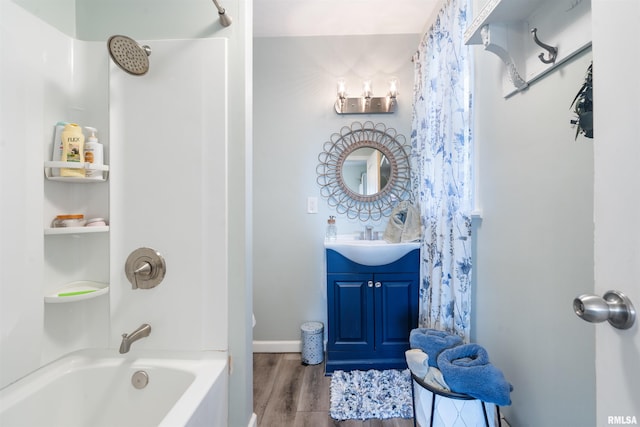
pixel 534 245
pixel 295 84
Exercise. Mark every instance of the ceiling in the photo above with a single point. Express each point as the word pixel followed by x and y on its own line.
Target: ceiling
pixel 296 18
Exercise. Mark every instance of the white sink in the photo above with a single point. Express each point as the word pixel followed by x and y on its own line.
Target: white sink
pixel 371 252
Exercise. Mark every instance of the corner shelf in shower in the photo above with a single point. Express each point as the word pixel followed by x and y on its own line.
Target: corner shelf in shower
pixel 49 165
pixel 75 230
pixel 77 291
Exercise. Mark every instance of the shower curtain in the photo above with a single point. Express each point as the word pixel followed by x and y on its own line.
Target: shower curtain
pixel 441 168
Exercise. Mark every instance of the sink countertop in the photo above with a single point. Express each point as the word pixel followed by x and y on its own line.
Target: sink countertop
pixel 370 252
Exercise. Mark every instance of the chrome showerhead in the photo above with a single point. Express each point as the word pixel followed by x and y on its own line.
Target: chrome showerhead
pixel 225 20
pixel 129 55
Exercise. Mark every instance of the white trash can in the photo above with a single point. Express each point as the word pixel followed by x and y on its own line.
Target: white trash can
pixel 312 343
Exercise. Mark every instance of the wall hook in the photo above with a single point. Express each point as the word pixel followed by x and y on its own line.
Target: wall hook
pixel 553 52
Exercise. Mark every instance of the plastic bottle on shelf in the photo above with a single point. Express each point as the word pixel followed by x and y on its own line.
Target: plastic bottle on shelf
pixel 72 149
pixel 56 154
pixel 332 230
pixel 93 153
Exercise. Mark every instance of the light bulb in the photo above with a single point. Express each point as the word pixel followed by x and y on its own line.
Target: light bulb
pixel 393 87
pixel 342 91
pixel 366 89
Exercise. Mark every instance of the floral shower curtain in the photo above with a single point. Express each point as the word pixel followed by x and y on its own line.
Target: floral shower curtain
pixel 441 165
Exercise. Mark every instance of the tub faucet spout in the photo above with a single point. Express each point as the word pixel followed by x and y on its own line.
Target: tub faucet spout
pixel 143 331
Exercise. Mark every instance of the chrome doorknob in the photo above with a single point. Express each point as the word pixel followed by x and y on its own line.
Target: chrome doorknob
pixel 613 306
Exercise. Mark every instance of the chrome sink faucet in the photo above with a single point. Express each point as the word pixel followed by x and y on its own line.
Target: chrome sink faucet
pixel 368 232
pixel 143 331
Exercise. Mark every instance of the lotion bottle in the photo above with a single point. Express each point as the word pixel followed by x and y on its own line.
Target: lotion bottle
pixel 93 153
pixel 72 149
pixel 332 230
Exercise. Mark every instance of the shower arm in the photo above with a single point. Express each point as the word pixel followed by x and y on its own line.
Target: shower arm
pixel 220 8
pixel 225 20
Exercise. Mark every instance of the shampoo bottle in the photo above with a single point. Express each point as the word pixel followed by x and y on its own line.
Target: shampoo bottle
pixel 93 153
pixel 72 149
pixel 56 154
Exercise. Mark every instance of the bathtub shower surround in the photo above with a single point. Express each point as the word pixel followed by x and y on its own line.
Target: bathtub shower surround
pixel 164 137
pixel 441 163
pixel 99 388
pixel 168 178
pixel 165 140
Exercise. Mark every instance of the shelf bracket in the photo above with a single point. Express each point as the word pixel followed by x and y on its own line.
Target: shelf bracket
pixel 494 39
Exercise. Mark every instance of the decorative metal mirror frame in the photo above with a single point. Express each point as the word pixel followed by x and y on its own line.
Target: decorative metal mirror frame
pixel 340 146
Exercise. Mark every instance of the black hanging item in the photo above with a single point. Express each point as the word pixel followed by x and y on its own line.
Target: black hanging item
pixel 583 106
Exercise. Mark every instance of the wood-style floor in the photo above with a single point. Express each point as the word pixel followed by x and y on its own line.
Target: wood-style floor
pixel 287 393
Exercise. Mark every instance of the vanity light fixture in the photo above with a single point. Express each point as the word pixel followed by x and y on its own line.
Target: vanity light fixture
pixel 366 103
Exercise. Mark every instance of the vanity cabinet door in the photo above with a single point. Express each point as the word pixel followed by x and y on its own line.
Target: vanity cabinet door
pixel 371 311
pixel 351 305
pixel 396 310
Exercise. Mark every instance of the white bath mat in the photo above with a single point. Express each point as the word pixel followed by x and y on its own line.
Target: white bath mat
pixel 361 395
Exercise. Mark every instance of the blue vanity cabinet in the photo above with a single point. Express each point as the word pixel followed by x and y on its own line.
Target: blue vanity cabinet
pixel 371 311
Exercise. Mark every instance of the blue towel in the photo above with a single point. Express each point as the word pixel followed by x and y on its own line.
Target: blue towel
pixel 432 342
pixel 466 369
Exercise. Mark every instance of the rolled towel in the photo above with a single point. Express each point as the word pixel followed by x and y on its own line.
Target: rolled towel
pixel 466 369
pixel 435 379
pixel 432 342
pixel 404 224
pixel 418 362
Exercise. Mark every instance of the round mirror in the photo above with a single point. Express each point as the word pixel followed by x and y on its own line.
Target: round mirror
pixel 364 170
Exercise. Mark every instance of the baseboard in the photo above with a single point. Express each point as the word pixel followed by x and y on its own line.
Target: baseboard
pixel 277 346
pixel 253 421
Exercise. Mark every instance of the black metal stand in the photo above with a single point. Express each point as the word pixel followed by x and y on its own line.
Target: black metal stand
pixel 448 394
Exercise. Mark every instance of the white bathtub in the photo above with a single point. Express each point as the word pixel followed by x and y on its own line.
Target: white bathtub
pixel 93 388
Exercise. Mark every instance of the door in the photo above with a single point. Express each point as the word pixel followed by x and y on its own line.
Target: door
pixel 350 312
pixel 396 310
pixel 616 53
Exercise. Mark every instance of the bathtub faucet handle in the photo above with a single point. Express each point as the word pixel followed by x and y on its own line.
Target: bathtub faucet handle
pixel 145 268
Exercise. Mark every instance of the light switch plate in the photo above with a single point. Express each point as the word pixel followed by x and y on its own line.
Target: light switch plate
pixel 312 205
